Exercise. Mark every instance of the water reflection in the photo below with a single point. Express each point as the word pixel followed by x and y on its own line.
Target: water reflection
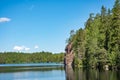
pixel 90 74
pixel 23 69
pixel 48 73
pixel 69 73
pixel 101 75
pixel 32 73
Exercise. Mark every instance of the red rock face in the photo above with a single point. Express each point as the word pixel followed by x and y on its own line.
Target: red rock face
pixel 69 56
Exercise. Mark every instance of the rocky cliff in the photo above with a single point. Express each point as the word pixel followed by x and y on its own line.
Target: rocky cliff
pixel 69 56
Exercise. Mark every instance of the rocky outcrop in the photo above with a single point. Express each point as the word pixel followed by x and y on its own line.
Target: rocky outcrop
pixel 69 56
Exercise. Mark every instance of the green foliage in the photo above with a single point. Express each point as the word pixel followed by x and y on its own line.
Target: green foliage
pixel 38 57
pixel 78 62
pixel 99 43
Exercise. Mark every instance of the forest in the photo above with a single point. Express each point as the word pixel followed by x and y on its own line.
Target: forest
pixel 98 44
pixel 36 57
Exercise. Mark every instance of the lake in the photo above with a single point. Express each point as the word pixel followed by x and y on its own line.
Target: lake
pixel 52 71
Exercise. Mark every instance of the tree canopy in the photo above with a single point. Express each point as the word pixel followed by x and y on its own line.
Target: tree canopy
pixel 98 44
pixel 37 57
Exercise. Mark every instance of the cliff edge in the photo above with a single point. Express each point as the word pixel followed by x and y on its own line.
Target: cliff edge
pixel 69 56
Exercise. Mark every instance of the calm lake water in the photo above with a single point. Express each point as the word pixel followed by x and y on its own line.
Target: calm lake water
pixel 52 72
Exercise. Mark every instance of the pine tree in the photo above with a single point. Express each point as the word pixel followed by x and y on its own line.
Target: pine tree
pixel 79 47
pixel 115 31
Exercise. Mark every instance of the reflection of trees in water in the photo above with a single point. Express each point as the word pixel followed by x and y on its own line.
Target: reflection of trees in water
pixel 118 75
pixel 79 74
pixel 69 72
pixel 91 74
pixel 26 68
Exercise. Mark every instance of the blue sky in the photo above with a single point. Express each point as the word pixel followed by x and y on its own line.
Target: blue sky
pixel 43 25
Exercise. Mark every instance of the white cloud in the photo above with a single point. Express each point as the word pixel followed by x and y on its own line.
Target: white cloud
pixel 27 49
pixel 4 19
pixel 20 48
pixel 36 47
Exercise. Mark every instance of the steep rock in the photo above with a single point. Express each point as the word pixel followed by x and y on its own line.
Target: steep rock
pixel 69 56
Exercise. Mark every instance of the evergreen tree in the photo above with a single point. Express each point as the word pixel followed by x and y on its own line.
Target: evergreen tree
pixel 115 31
pixel 79 47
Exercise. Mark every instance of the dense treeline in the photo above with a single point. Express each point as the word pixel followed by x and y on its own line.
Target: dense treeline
pixel 98 44
pixel 38 57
